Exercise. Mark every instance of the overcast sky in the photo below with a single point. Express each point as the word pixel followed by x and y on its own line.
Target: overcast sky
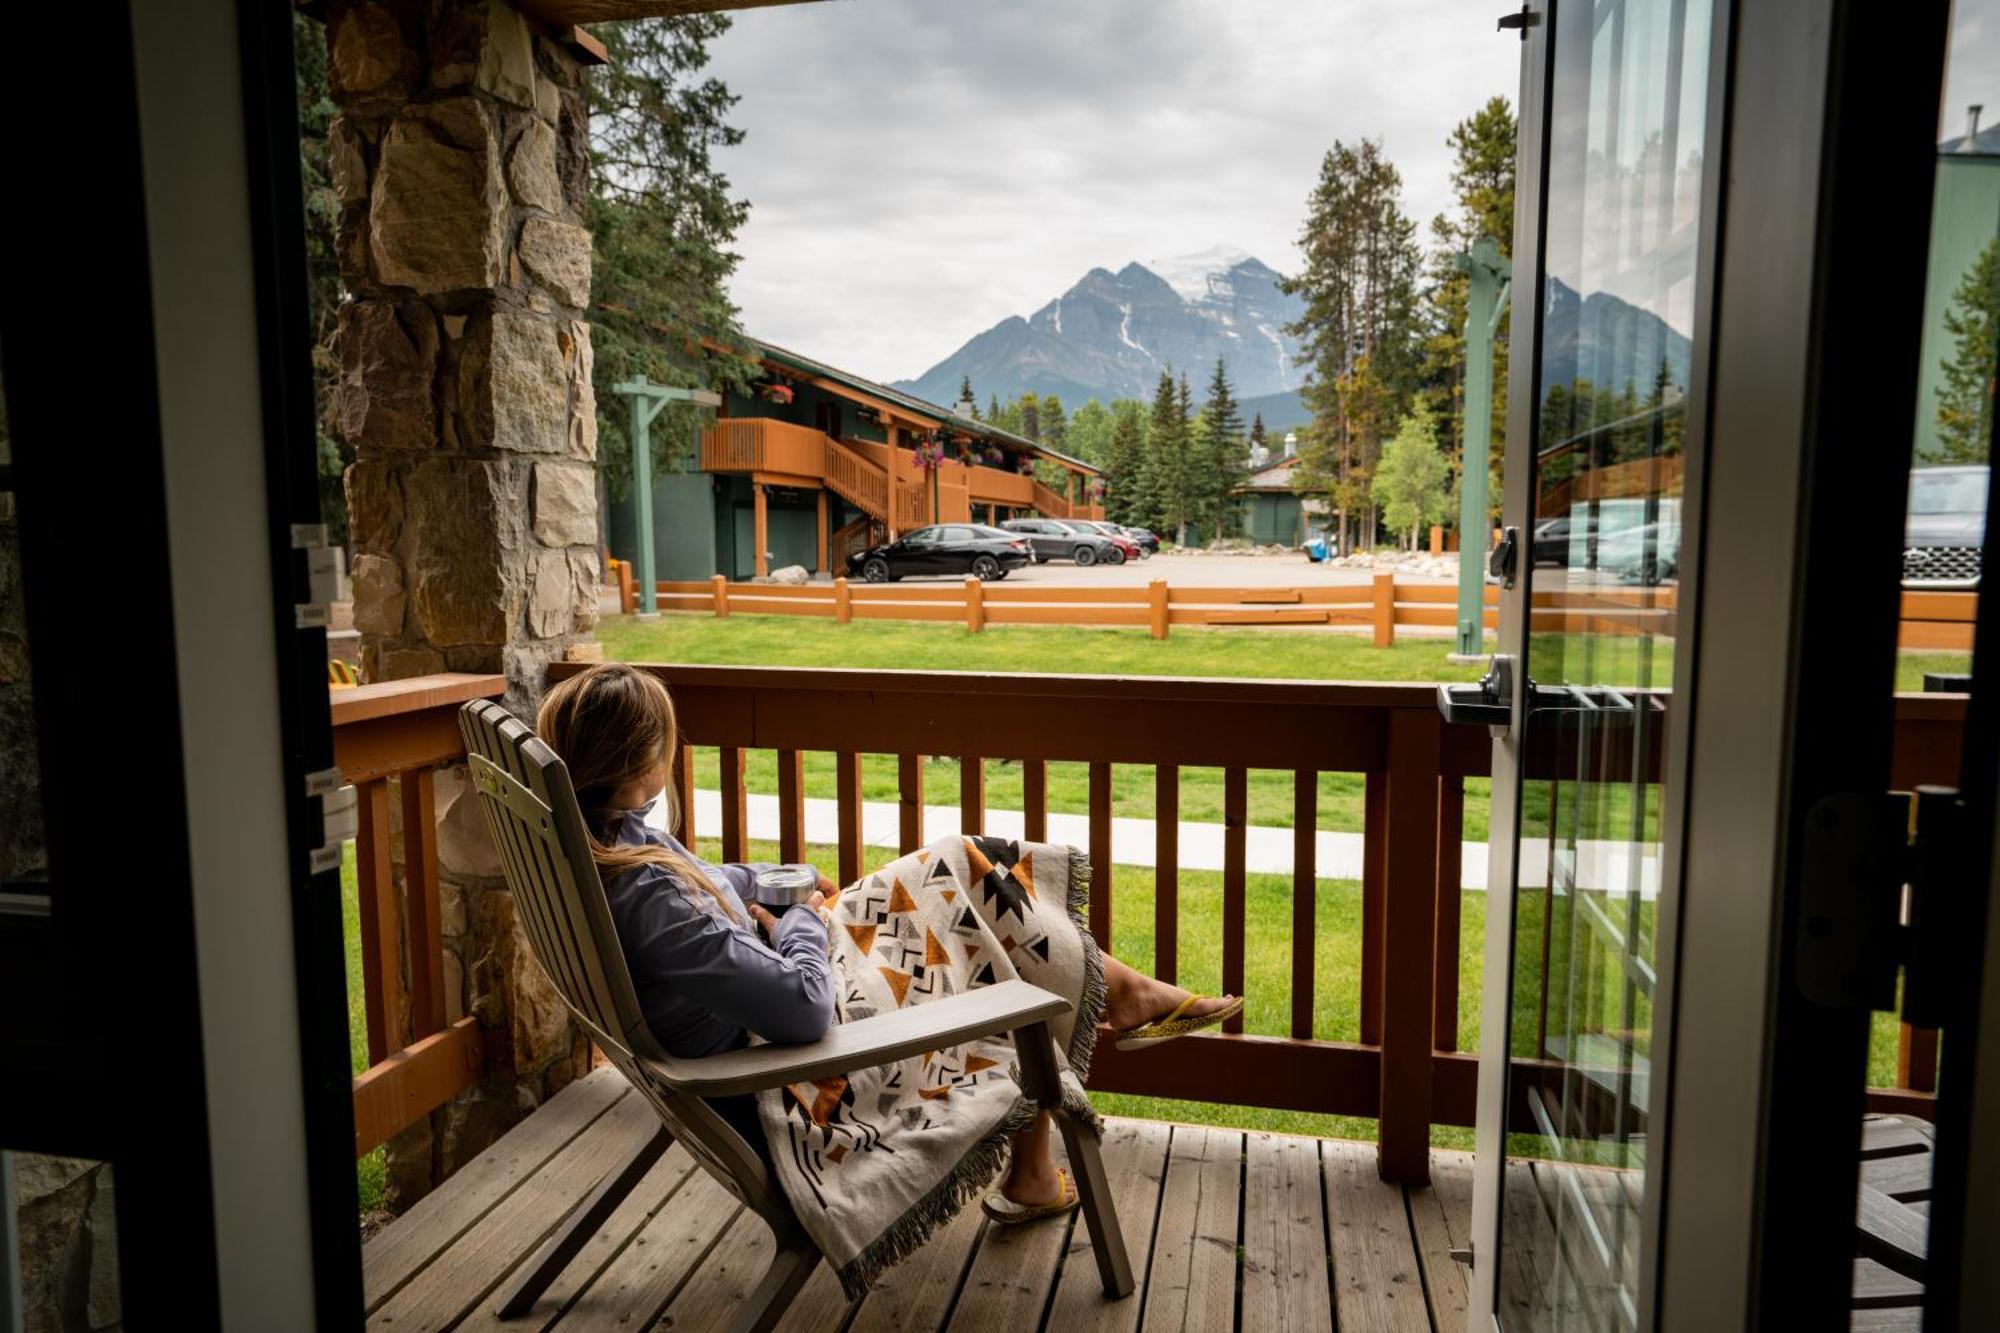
pixel 920 169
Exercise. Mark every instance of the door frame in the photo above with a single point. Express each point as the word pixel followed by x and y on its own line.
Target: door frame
pixel 1757 1092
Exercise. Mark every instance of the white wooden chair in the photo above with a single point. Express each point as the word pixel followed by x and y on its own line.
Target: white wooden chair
pixel 536 825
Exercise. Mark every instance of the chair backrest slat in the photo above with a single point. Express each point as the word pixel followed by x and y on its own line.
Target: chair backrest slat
pixel 532 813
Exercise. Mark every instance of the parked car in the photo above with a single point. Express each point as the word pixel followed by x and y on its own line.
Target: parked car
pixel 1147 541
pixel 1944 534
pixel 943 548
pixel 1127 548
pixel 1051 540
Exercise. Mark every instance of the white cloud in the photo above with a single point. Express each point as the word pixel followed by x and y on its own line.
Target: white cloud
pixel 920 169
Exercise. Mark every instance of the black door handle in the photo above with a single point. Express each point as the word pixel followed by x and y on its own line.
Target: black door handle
pixel 1487 703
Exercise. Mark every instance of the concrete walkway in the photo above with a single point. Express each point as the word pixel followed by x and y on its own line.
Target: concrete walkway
pixel 1598 865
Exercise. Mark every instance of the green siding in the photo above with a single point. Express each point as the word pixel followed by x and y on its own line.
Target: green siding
pixel 1273 518
pixel 1965 216
pixel 683 526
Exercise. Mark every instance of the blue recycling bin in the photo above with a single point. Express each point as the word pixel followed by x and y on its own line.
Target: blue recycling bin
pixel 1316 550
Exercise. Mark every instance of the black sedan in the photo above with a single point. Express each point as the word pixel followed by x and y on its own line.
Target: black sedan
pixel 943 548
pixel 1051 540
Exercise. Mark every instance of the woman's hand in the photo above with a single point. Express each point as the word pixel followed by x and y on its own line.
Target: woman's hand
pixel 826 886
pixel 769 924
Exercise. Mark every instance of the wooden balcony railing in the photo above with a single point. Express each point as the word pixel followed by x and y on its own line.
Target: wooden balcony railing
pixel 760 444
pixel 913 508
pixel 1403 1068
pixel 992 485
pixel 401 732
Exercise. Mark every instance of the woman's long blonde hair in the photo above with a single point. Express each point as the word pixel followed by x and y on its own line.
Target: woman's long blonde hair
pixel 612 726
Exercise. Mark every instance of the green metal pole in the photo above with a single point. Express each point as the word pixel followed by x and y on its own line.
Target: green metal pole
pixel 642 497
pixel 1488 274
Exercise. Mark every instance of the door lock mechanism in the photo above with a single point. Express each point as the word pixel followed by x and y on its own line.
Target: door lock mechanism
pixel 1500 564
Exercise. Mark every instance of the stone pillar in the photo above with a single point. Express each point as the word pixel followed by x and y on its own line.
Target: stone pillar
pixel 459 162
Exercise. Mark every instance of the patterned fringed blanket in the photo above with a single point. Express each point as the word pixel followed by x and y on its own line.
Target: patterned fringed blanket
pixel 876 1161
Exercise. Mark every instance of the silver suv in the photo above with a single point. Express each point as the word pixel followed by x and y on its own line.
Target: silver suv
pixel 1945 534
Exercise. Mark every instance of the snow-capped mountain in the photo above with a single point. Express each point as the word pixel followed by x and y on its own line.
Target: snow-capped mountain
pixel 1111 334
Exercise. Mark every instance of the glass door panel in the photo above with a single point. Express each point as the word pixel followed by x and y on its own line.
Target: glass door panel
pixel 1620 241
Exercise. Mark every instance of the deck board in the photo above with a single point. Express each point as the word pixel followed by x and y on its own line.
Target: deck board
pixel 1192 1284
pixel 672 1173
pixel 441 1216
pixel 1135 1161
pixel 1225 1231
pixel 1441 1220
pixel 647 1271
pixel 447 1289
pixel 1376 1281
pixel 1284 1236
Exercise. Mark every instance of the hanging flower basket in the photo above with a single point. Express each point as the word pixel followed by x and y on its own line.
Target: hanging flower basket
pixel 775 392
pixel 927 453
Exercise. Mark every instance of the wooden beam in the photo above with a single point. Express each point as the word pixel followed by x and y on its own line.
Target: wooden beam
pixel 560 12
pixel 392 1094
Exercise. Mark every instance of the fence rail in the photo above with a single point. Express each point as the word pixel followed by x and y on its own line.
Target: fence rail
pixel 402 732
pixel 1404 1069
pixel 1941 621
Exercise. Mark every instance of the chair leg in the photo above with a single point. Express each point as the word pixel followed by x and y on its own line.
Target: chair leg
pixel 1036 1049
pixel 583 1222
pixel 794 1262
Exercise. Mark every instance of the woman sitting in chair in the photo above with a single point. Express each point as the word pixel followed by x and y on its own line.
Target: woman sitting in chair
pixel 893 1153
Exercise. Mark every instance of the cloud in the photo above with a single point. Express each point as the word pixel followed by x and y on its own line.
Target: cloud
pixel 920 169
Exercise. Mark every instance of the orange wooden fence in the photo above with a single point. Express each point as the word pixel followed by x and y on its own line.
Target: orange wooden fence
pixel 418 1057
pixel 1939 621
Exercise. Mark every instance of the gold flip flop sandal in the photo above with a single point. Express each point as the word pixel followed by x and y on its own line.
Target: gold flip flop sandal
pixel 1008 1213
pixel 1173 1025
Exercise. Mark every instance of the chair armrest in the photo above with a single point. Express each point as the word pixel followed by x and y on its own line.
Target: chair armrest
pixel 884 1039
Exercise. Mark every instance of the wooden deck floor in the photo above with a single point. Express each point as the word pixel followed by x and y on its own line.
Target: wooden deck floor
pixel 1228 1229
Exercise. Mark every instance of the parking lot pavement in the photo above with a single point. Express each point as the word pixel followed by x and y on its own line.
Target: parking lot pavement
pixel 1291 570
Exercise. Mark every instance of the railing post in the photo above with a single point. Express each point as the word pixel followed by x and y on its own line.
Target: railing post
pixel 975 604
pixel 1156 600
pixel 720 587
pixel 1409 909
pixel 1385 610
pixel 843 605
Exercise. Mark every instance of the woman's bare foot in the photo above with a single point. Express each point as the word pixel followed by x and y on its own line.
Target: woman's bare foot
pixel 1032 1181
pixel 1135 999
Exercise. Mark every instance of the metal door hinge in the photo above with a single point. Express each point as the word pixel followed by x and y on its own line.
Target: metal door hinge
pixel 1934 928
pixel 1523 20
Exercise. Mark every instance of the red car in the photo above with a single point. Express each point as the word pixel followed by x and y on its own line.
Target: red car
pixel 1126 546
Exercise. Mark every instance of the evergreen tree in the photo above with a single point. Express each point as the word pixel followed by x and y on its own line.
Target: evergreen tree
pixel 1125 466
pixel 1030 410
pixel 1219 452
pixel 1412 482
pixel 1170 469
pixel 323 286
pixel 1965 397
pixel 1359 290
pixel 1258 439
pixel 965 395
pixel 662 222
pixel 993 407
pixel 1054 426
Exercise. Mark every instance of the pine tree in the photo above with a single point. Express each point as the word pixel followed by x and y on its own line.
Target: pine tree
pixel 1053 424
pixel 1258 440
pixel 1030 416
pixel 662 222
pixel 1219 453
pixel 1359 290
pixel 1965 396
pixel 965 394
pixel 1412 482
pixel 1125 467
pixel 993 407
pixel 1171 470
